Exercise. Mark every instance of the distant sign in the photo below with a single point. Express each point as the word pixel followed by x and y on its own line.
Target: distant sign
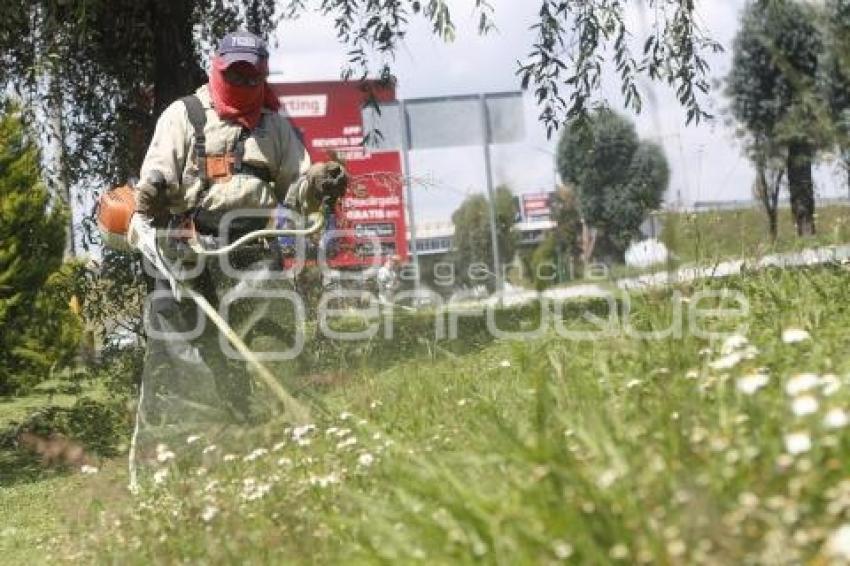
pixel 306 106
pixel 329 119
pixel 537 206
pixel 374 211
pixel 447 121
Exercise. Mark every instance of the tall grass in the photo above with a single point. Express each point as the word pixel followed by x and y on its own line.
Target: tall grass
pixel 715 235
pixel 619 450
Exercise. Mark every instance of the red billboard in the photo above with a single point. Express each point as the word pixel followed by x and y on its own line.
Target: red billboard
pixel 370 218
pixel 536 206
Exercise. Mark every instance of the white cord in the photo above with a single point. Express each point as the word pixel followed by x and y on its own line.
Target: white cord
pixel 269 233
pixel 134 480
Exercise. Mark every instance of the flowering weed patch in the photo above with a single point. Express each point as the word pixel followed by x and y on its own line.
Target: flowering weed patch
pixel 688 450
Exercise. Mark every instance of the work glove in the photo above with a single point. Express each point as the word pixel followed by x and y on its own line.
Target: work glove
pixel 323 183
pixel 329 180
pixel 152 199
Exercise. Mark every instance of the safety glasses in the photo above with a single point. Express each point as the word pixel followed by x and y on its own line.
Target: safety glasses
pixel 238 78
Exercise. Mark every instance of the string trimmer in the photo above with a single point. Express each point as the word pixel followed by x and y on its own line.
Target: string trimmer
pixel 114 213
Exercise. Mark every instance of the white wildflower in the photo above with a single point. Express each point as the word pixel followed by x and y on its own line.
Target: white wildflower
pixel 209 513
pixel 193 439
pixel 836 418
pixel 164 455
pixel 278 447
pixel 562 549
pixel 209 449
pixel 619 552
pixel 285 462
pixel 303 442
pixel 324 481
pixel 342 432
pixel 692 374
pixel 838 544
pixel 375 404
pixel 160 476
pixel 86 469
pixel 805 405
pixel 727 362
pixel 462 402
pixel 212 485
pixel 633 383
pixel 794 335
pixel 798 443
pixel 749 353
pixel 505 364
pixel 748 500
pixel 350 441
pixel 331 430
pixel 365 460
pixel 751 383
pixel 229 457
pixel 251 490
pixel 801 383
pixel 255 454
pixel 733 344
pixel 676 547
pixel 830 384
pixel 607 478
pixel 300 432
pixel 345 415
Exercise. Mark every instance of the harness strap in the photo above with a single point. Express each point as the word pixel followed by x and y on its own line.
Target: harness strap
pixel 198 119
pixel 239 149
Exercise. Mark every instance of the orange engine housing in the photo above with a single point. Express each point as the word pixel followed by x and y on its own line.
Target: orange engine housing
pixel 115 208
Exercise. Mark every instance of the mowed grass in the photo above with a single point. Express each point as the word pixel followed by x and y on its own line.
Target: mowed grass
pixel 632 449
pixel 46 514
pixel 39 502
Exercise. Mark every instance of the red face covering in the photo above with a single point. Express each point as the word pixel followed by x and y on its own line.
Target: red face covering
pixel 242 104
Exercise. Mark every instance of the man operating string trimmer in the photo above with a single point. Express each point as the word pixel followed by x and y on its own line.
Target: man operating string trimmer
pixel 218 153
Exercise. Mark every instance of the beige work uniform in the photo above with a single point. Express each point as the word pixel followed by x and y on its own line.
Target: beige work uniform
pixel 273 144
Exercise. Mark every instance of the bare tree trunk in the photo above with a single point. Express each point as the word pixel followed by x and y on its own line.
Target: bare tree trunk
pixel 801 186
pixel 847 172
pixel 768 197
pixel 773 224
pixel 59 178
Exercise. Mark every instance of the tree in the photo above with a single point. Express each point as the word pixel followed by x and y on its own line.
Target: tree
pixel 618 177
pixel 574 41
pixel 835 74
pixel 770 176
pixel 561 245
pixel 472 240
pixel 774 96
pixel 113 66
pixel 37 329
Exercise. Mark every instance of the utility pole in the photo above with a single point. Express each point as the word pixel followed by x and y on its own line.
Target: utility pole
pixel 408 185
pixel 491 197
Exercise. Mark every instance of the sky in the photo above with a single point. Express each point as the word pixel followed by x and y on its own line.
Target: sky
pixel 706 160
